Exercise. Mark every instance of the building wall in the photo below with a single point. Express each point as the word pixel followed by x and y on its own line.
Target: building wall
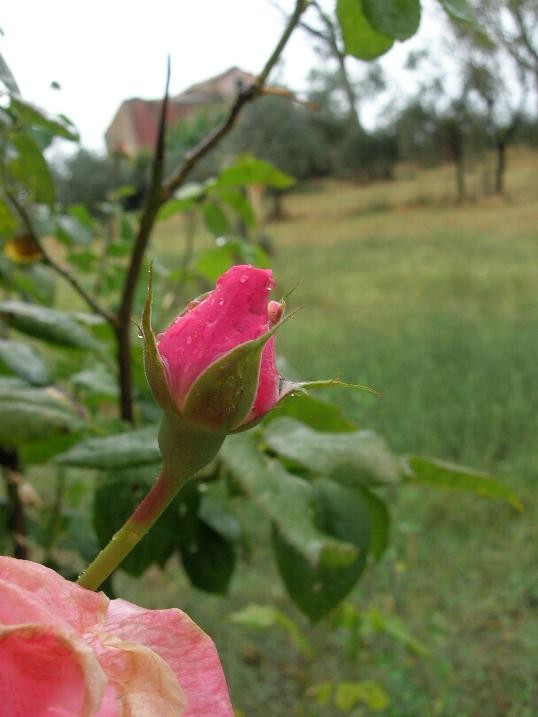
pixel 120 134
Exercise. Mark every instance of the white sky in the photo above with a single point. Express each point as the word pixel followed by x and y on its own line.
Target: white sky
pixel 104 52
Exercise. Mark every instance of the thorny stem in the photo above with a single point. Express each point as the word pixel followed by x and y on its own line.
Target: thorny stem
pixel 149 214
pixel 160 496
pixel 185 450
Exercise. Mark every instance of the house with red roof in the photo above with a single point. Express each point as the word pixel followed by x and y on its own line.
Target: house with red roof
pixel 135 124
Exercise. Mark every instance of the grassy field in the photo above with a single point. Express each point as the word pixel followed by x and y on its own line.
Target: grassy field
pixel 437 307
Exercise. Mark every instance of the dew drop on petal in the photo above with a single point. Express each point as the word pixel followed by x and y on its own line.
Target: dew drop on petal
pixel 220 302
pixel 189 339
pixel 243 278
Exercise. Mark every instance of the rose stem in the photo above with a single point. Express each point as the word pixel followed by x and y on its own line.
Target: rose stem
pixel 131 533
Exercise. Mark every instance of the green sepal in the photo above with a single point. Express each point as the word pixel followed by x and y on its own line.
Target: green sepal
pixel 222 396
pixel 153 364
pixel 287 388
pixel 305 386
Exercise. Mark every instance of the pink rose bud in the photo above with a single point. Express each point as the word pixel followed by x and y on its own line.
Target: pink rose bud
pixel 275 310
pixel 69 651
pixel 219 354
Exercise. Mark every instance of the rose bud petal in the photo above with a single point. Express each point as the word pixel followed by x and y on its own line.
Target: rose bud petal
pixel 219 355
pixel 66 651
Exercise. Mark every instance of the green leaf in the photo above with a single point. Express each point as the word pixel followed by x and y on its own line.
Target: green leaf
pixel 184 199
pixel 461 10
pixel 30 168
pixel 71 230
pixel 209 561
pixel 286 500
pixel 127 238
pixel 119 249
pixel 56 327
pixel 318 414
pixel 215 219
pixel 395 628
pixel 116 497
pixel 218 517
pixel 247 169
pixel 188 506
pixel 84 260
pixel 349 694
pixel 8 223
pixel 43 450
pixel 340 512
pixel 236 200
pixel 77 535
pixel 6 76
pixel 215 260
pixel 122 450
pixel 34 281
pixel 320 692
pixel 82 215
pixel 10 383
pixel 379 523
pixel 441 474
pixel 58 126
pixel 360 39
pixel 264 616
pixel 34 414
pixel 96 382
pixel 24 361
pixel 358 458
pixel 398 18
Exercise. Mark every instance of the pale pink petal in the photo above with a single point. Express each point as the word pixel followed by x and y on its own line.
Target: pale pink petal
pixel 65 600
pixel 191 653
pixel 18 606
pixel 46 672
pixel 235 312
pixel 141 684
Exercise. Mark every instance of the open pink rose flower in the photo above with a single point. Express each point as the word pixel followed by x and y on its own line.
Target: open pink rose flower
pixel 218 375
pixel 69 652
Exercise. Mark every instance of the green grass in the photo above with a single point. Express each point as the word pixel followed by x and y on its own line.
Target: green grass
pixel 437 307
